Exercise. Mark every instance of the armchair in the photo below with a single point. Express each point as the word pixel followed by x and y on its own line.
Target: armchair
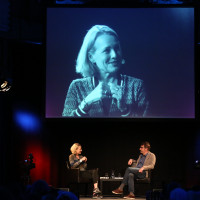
pixel 74 180
pixel 144 185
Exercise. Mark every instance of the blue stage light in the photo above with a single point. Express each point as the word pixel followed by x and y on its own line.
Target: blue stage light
pixel 27 121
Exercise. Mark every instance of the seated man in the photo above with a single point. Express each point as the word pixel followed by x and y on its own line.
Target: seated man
pixel 145 161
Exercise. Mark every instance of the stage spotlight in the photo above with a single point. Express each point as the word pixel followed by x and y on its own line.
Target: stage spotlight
pixel 5 86
pixel 197 164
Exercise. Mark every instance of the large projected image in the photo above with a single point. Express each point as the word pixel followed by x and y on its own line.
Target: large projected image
pixel 120 63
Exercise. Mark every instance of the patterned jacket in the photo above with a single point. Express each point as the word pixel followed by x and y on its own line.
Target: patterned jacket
pixel 133 93
pixel 76 163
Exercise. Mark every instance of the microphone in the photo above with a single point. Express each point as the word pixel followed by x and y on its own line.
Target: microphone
pixel 123 61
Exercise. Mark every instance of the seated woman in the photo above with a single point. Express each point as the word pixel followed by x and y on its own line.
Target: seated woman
pixel 76 160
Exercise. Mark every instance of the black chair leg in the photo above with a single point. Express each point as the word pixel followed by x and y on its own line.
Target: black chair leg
pixel 86 189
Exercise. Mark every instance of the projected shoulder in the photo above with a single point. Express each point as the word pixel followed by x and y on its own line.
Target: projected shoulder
pixel 81 80
pixel 131 79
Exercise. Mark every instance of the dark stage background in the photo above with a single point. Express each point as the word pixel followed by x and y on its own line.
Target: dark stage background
pixel 176 142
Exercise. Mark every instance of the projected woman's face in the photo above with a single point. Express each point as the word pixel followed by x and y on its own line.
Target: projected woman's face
pixel 107 55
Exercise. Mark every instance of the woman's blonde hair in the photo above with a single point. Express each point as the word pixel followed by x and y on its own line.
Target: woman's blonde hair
pixel 83 63
pixel 74 147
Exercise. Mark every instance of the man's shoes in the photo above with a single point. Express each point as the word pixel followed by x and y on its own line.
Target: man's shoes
pixel 117 191
pixel 130 196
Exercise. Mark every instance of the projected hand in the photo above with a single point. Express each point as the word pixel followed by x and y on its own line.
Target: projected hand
pixel 116 92
pixel 98 93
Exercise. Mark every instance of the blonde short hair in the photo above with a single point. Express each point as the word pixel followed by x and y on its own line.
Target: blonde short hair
pixel 74 147
pixel 83 63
